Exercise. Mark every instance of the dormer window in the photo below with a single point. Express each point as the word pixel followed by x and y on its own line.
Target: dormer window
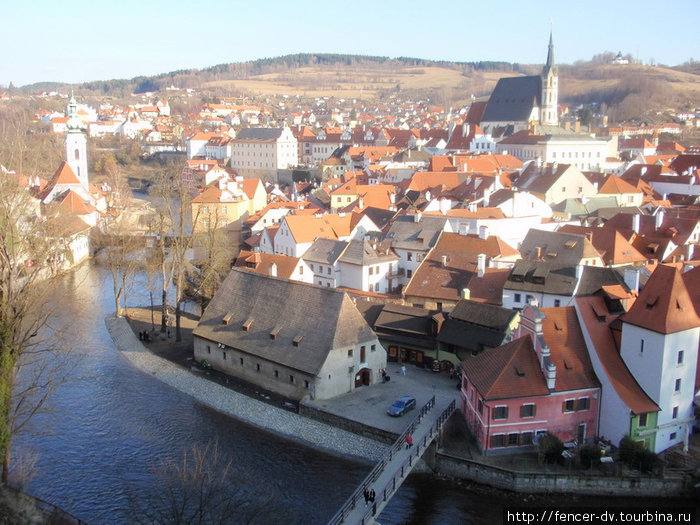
pixel 275 332
pixel 248 323
pixel 297 340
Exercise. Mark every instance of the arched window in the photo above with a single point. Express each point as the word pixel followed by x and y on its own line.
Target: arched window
pixel 77 154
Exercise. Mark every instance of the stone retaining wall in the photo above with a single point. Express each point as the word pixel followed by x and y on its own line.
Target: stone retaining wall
pixel 542 482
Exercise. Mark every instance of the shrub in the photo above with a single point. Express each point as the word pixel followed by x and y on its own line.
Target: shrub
pixel 636 456
pixel 550 447
pixel 589 455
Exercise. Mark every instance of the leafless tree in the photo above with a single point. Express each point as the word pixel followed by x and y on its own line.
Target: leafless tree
pixel 30 255
pixel 202 487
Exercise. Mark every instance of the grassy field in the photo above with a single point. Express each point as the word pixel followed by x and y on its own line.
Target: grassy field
pixel 359 82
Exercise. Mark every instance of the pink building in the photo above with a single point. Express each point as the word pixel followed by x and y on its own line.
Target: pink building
pixel 541 382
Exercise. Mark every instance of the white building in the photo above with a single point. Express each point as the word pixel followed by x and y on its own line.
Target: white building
pixel 263 151
pixel 660 335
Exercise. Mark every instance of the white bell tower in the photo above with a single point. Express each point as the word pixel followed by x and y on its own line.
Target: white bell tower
pixel 549 105
pixel 76 145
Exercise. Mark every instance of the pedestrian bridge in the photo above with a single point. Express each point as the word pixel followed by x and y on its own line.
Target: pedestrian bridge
pixel 387 476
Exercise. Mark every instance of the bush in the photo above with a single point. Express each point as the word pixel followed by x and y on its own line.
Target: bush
pixel 636 456
pixel 550 447
pixel 589 455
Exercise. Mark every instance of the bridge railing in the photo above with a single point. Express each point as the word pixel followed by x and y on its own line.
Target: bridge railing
pixel 386 491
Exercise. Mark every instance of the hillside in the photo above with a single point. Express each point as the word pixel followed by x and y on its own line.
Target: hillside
pixel 625 92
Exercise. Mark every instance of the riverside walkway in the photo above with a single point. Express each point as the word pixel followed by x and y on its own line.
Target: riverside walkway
pixel 393 468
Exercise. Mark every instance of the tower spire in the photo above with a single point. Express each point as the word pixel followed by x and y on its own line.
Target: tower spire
pixel 549 65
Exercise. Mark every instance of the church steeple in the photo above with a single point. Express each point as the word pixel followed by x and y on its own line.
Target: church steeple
pixel 76 144
pixel 549 113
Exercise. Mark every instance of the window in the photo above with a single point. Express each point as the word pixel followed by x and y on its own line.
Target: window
pixel 372 348
pixel 526 438
pixel 329 270
pixel 675 412
pixel 677 387
pixel 527 410
pixel 642 420
pixel 480 406
pixel 673 435
pixel 409 256
pixel 517 297
pixel 291 378
pixel 277 373
pixel 557 302
pixel 584 403
pixel 641 346
pixel 350 353
pixel 371 270
pixel 409 273
pixel 312 267
pixel 224 354
pixel 306 384
pixel 224 210
pixel 257 367
pixel 241 361
pixel 77 154
pixel 500 412
pixel 680 357
pixel 208 349
pixel 513 440
pixel 568 405
pixel 499 440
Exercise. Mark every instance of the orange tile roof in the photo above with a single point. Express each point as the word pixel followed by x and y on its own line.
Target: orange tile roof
pixel 664 304
pixel 306 228
pixel 511 370
pixel 596 321
pixel 262 263
pixel 614 185
pixel 562 333
pixel 74 203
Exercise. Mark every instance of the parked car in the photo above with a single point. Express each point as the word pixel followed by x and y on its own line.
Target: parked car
pixel 402 405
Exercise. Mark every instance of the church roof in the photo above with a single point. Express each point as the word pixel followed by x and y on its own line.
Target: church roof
pixel 513 99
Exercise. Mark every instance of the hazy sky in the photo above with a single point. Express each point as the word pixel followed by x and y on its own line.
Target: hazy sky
pixel 81 40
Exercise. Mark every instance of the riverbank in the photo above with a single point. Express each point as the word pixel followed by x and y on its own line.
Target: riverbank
pixel 356 426
pixel 239 406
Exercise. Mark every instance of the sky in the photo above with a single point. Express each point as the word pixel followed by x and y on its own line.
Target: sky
pixel 82 40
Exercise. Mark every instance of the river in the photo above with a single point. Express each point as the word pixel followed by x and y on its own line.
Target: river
pixel 111 425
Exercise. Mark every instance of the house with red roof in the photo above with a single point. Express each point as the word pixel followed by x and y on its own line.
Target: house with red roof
pixel 227 203
pixel 541 382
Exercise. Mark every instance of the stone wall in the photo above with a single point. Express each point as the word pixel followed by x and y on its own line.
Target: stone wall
pixel 537 483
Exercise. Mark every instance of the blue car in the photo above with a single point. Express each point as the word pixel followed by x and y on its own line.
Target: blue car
pixel 401 406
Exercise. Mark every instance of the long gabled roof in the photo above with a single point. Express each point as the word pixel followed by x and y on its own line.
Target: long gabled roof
pixel 320 318
pixel 596 320
pixel 513 99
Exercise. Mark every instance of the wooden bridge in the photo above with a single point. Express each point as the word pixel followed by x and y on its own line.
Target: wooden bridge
pixel 386 477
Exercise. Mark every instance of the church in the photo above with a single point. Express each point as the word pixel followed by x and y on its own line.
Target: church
pixel 519 103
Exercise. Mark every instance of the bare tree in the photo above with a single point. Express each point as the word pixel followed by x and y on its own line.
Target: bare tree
pixel 172 226
pixel 201 487
pixel 29 255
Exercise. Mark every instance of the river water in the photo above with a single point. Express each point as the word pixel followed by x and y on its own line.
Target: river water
pixel 98 447
pixel 110 426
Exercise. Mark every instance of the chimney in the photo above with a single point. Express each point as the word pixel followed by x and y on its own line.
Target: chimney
pixel 481 265
pixel 444 261
pixel 483 232
pixel 636 220
pixel 466 294
pixel 392 198
pixel 463 228
pixel 445 205
pixel 487 197
pixel 631 279
pixel 417 216
pixel 689 250
pixel 538 162
pixel 538 252
pixel 659 219
pixel 551 376
pixel 465 129
pixel 273 270
pixel 472 207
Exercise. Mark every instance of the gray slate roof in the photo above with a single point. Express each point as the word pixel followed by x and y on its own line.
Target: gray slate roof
pixel 326 318
pixel 483 314
pixel 407 234
pixel 560 247
pixel 324 251
pixel 364 253
pixel 259 134
pixel 476 326
pixel 513 99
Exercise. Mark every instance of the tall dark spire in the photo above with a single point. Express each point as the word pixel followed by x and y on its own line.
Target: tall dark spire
pixel 549 65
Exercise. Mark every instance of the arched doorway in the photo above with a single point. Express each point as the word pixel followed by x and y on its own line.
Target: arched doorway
pixel 362 377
